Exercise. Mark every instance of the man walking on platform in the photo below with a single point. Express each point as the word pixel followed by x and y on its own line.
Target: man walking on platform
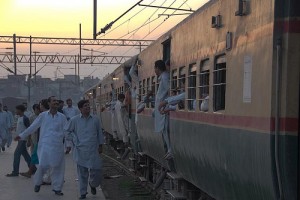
pixel 50 146
pixel 12 120
pixel 5 125
pixel 86 133
pixel 21 149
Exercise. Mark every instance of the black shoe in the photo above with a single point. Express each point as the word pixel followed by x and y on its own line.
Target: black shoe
pixel 12 175
pixel 37 188
pixel 93 190
pixel 3 148
pixel 82 196
pixel 58 193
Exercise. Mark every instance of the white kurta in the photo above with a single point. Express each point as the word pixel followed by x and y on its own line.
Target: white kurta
pixel 173 100
pixel 135 92
pixel 50 145
pixel 5 124
pixel 123 120
pixel 86 135
pixel 162 93
pixel 70 112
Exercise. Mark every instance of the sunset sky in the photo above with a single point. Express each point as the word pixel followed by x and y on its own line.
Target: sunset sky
pixel 61 18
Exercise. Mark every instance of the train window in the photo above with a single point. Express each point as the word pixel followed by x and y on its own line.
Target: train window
pixel 140 89
pixel 144 87
pixel 219 83
pixel 166 49
pixel 191 101
pixel 181 84
pixel 153 84
pixel 148 88
pixel 204 85
pixel 174 80
pixel 153 89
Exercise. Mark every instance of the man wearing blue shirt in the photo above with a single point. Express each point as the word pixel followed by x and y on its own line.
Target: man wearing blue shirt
pixel 85 132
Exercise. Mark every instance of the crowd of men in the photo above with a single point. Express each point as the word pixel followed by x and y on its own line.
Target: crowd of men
pixel 52 131
pixel 161 102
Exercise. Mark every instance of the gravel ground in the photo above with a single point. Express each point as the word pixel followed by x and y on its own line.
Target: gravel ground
pixel 118 184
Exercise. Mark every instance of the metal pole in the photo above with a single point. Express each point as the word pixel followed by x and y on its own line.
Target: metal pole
pixel 95 20
pixel 75 72
pixel 80 42
pixel 30 72
pixel 78 72
pixel 15 53
pixel 35 67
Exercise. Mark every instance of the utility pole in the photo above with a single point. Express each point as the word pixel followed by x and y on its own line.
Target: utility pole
pixel 95 20
pixel 30 72
pixel 80 41
pixel 75 71
pixel 15 53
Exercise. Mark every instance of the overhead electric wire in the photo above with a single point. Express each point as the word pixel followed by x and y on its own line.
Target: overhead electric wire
pixel 124 23
pixel 149 18
pixel 127 20
pixel 159 24
pixel 144 24
pixel 164 20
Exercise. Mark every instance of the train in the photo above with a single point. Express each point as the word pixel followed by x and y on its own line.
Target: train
pixel 243 57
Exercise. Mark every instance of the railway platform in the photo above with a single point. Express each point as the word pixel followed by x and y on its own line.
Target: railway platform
pixel 20 188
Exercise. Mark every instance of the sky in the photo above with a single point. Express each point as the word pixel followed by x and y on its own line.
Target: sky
pixel 61 18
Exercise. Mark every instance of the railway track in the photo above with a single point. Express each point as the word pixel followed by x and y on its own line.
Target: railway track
pixel 120 183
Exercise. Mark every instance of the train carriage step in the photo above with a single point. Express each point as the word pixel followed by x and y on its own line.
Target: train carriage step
pixel 131 170
pixel 142 179
pixel 132 159
pixel 143 166
pixel 174 176
pixel 176 195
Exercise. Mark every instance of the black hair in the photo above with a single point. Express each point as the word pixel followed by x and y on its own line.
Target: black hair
pixel 69 99
pixel 49 99
pixel 60 101
pixel 121 96
pixel 160 64
pixel 21 108
pixel 81 103
pixel 45 104
pixel 35 106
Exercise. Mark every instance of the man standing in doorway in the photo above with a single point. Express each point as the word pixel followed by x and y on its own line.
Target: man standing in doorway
pixel 50 147
pixel 86 133
pixel 162 121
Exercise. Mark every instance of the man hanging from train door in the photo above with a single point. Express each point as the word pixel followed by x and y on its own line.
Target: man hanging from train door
pixel 122 117
pixel 161 121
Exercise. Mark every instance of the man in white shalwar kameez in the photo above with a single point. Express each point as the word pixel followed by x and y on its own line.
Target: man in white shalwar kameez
pixel 114 121
pixel 161 121
pixel 50 146
pixel 5 125
pixel 85 132
pixel 123 118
